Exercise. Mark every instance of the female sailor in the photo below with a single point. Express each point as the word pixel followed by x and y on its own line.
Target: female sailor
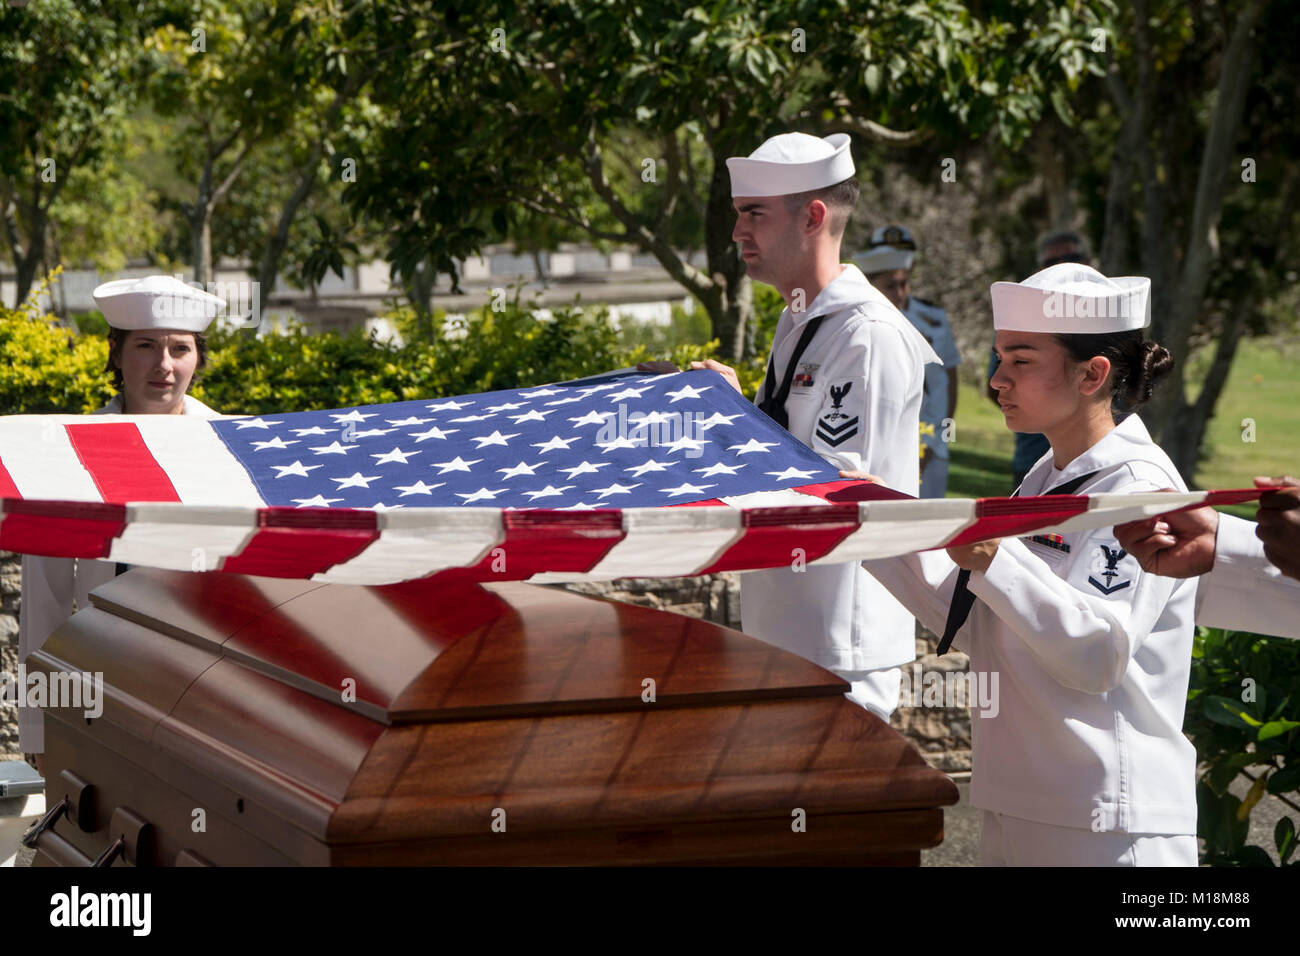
pixel 1083 761
pixel 156 346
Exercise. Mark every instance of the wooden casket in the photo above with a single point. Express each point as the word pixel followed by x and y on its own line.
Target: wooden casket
pixel 265 721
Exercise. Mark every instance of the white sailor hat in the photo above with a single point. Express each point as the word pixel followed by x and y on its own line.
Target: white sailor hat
pixel 791 163
pixel 890 248
pixel 1071 297
pixel 156 302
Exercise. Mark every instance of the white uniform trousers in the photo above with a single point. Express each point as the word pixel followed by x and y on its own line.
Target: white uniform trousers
pixel 1011 841
pixel 876 690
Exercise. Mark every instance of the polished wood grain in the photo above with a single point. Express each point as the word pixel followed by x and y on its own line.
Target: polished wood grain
pixel 234 695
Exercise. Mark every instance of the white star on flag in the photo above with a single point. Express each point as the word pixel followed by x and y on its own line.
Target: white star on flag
pixel 687 391
pixel 482 494
pixel 532 415
pixel 718 468
pixel 550 491
pixel 789 473
pixel 357 480
pixel 628 393
pixel 717 418
pixel 412 420
pixel 297 468
pixel 592 417
pixel 372 432
pixel 619 442
pixel 433 433
pixel 314 430
pixel 456 464
pixel 471 418
pixel 241 424
pixel 334 449
pixel 685 489
pixel 586 468
pixel 615 489
pixel 555 443
pixel 419 488
pixel 444 406
pixel 317 502
pixel 353 416
pixel 395 455
pixel 523 468
pixel 751 446
pixel 496 438
pixel 651 465
pixel 276 442
pixel 689 444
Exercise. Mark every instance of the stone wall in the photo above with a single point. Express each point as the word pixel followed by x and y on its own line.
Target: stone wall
pixel 10 589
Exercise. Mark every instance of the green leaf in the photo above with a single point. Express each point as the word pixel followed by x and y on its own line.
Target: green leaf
pixel 1275 728
pixel 1226 770
pixel 1286 779
pixel 1226 711
pixel 1284 838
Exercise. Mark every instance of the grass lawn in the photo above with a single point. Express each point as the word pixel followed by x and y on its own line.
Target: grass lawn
pixel 1264 386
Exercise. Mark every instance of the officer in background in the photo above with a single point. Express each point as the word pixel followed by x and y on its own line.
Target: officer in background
pixel 1063 246
pixel 887 263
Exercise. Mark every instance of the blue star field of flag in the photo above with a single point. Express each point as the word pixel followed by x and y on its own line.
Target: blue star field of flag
pixel 623 440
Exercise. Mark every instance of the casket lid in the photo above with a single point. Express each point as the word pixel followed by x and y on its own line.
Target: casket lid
pixel 460 651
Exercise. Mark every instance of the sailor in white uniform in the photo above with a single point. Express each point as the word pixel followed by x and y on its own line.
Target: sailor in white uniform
pixel 156 345
pixel 1250 571
pixel 1083 761
pixel 845 378
pixel 887 263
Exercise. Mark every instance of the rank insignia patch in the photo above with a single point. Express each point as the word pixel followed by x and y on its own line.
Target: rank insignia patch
pixel 836 427
pixel 1111 557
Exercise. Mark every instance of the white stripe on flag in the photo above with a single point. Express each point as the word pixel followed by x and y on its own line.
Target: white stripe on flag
pixel 182 537
pixel 40 458
pixel 898 527
pixel 200 466
pixel 415 543
pixel 1114 508
pixel 664 542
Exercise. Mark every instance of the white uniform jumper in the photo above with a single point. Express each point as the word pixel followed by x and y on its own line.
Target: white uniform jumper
pixel 1245 591
pixel 855 399
pixel 1093 658
pixel 54 587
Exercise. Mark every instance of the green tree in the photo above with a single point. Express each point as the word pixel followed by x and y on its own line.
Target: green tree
pixel 532 98
pixel 67 74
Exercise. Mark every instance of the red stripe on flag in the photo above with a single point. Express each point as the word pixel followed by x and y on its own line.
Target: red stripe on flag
pixel 120 463
pixel 852 489
pixel 772 535
pixel 544 540
pixel 300 542
pixel 7 487
pixel 1012 517
pixel 65 529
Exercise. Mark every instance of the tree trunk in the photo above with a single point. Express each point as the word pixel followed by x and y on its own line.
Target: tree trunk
pixel 269 267
pixel 730 301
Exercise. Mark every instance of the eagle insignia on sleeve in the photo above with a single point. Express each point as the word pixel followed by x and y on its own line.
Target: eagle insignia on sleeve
pixel 1111 557
pixel 836 427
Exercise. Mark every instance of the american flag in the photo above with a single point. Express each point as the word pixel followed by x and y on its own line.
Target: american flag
pixel 627 474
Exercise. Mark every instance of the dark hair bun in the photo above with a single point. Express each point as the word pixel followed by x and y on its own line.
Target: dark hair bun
pixel 1152 363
